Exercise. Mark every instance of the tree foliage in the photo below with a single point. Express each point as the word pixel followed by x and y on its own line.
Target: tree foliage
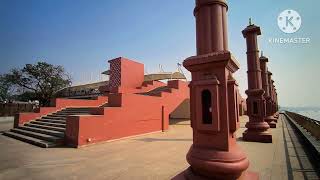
pixel 40 79
pixel 4 88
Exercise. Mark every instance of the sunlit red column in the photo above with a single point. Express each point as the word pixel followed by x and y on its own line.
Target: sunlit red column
pixel 265 84
pixel 257 128
pixel 214 153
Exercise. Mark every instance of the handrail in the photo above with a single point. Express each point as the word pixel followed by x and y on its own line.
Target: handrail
pixel 311 125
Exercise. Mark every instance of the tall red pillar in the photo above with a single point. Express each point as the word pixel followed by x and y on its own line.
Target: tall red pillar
pixel 272 96
pixel 274 100
pixel 214 153
pixel 277 105
pixel 271 103
pixel 257 128
pixel 265 84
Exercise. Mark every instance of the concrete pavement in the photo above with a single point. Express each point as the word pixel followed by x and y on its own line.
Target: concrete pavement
pixel 6 123
pixel 153 156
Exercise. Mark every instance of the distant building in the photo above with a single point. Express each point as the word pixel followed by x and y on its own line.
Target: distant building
pixel 82 91
pixel 92 90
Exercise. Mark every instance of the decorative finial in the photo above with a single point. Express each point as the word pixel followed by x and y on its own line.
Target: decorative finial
pixel 250 21
pixel 261 53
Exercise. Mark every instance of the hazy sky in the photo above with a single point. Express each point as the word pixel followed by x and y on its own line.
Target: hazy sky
pixel 81 35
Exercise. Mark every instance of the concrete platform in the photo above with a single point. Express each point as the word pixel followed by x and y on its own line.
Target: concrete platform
pixel 153 156
pixel 6 123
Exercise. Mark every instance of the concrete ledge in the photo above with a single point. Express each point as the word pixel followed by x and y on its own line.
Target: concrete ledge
pixel 6 119
pixel 312 143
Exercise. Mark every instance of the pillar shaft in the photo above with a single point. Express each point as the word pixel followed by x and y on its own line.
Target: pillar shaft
pixel 265 84
pixel 277 105
pixel 270 84
pixel 264 76
pixel 254 71
pixel 256 104
pixel 214 107
pixel 211 26
pixel 274 99
pixel 272 95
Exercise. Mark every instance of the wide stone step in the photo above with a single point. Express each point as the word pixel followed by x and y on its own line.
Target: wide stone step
pixel 68 113
pixel 104 105
pixel 52 120
pixel 56 114
pixel 55 117
pixel 60 129
pixel 75 114
pixel 31 140
pixel 43 131
pixel 71 113
pixel 41 136
pixel 48 124
pixel 79 108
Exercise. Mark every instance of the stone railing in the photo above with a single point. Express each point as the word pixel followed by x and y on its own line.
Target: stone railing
pixel 311 125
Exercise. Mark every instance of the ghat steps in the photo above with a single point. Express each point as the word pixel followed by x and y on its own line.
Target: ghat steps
pixel 47 131
pixel 50 130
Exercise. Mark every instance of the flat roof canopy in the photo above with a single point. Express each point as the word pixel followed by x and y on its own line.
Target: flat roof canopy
pixel 163 76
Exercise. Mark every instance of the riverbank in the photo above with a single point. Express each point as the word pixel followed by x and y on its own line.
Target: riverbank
pixel 311 112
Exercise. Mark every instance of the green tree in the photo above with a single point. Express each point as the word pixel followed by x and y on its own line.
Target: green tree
pixel 26 96
pixel 40 79
pixel 5 86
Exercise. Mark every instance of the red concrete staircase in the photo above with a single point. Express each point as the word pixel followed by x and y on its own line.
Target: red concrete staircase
pixel 128 114
pixel 47 131
pixel 146 110
pixel 47 125
pixel 157 91
pixel 131 107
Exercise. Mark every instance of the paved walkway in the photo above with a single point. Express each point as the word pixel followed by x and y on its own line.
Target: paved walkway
pixel 300 164
pixel 6 123
pixel 154 156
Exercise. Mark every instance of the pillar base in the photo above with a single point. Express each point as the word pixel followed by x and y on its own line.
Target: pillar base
pixel 189 174
pixel 272 125
pixel 218 164
pixel 257 132
pixel 271 121
pixel 256 136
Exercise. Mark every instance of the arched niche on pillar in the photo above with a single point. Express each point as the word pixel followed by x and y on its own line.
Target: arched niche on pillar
pixel 202 87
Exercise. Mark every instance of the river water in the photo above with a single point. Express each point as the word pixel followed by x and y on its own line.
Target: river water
pixel 311 112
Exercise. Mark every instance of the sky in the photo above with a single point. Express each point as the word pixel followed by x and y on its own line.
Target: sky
pixel 82 35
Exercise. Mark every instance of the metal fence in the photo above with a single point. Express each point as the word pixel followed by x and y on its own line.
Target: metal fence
pixel 10 109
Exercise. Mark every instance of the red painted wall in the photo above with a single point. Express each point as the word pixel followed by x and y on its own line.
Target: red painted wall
pixel 125 75
pixel 132 73
pixel 22 118
pixel 60 103
pixel 63 103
